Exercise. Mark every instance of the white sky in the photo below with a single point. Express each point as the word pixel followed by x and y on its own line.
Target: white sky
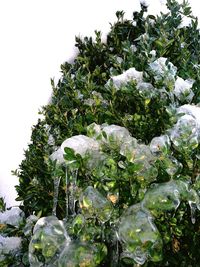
pixel 36 37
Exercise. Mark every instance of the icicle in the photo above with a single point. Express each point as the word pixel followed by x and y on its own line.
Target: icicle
pixel 55 194
pixel 66 194
pixel 116 259
pixel 192 209
pixel 103 232
pixel 72 203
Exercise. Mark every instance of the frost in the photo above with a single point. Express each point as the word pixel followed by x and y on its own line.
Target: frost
pixel 139 236
pixel 78 94
pixel 129 75
pixel 94 204
pixel 9 245
pixel 13 216
pixel 81 144
pixel 182 89
pixel 48 240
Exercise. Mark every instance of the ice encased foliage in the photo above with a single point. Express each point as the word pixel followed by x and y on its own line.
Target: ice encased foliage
pixel 14 216
pixel 94 204
pixel 129 75
pixel 160 145
pixel 139 235
pixel 164 71
pixel 168 196
pixel 182 89
pixel 185 133
pixel 131 89
pixel 82 254
pixel 58 156
pixel 48 240
pixel 9 246
pixel 81 144
pixel 136 227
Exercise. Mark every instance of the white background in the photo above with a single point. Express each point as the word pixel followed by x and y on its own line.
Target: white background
pixel 36 36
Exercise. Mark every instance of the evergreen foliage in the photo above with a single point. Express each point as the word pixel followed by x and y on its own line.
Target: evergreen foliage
pixel 87 96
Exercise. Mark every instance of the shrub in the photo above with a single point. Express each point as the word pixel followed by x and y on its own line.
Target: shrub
pixel 116 157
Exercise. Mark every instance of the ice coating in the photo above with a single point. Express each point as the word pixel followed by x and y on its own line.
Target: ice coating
pixel 146 90
pixel 115 134
pixel 93 130
pixel 186 22
pixel 58 156
pixel 182 89
pixel 82 254
pixel 48 240
pixel 163 71
pixel 142 158
pixel 191 110
pixel 167 196
pixel 129 75
pixel 128 147
pixel 30 222
pixel 14 216
pixel 139 236
pixel 94 204
pixel 9 245
pixel 162 197
pixel 81 144
pixel 184 135
pixel 160 145
pixel 172 165
pixel 146 174
pixel 71 181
